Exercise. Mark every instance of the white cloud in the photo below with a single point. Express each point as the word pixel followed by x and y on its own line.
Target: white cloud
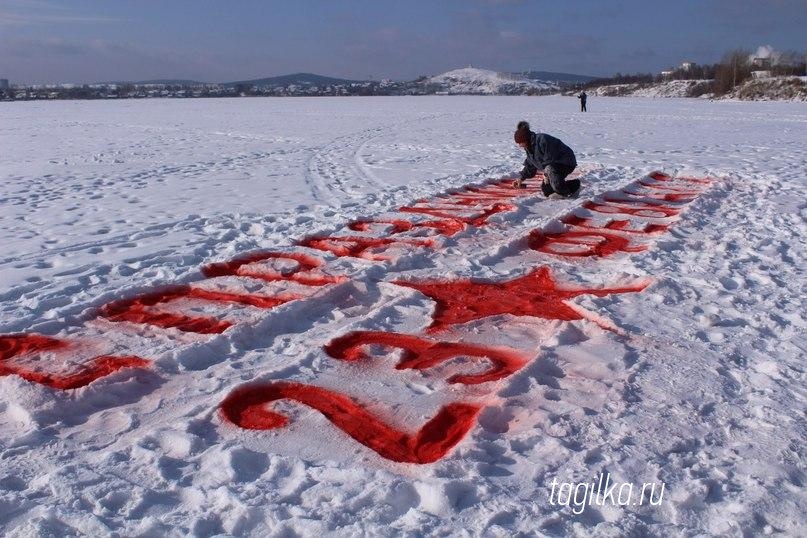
pixel 766 51
pixel 30 12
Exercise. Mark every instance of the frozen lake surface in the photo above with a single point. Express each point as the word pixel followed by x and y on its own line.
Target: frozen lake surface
pixel 695 378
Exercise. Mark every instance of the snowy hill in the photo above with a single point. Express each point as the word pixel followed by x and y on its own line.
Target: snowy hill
pixel 471 80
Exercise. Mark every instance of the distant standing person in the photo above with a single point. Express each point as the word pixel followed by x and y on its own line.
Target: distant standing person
pixel 549 154
pixel 582 98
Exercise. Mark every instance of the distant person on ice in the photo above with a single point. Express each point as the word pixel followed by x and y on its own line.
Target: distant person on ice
pixel 549 154
pixel 582 98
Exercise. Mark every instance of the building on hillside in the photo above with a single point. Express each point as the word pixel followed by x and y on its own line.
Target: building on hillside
pixel 761 67
pixel 760 63
pixel 687 66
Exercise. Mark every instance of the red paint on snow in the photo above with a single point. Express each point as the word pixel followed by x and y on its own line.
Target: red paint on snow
pixel 468 200
pixel 680 197
pixel 421 353
pixel 246 407
pixel 139 309
pixel 447 227
pixel 699 181
pixel 660 176
pixel 534 294
pixel 13 345
pixel 28 344
pixel 533 185
pixel 614 225
pixel 361 247
pixel 495 191
pixel 301 274
pixel 669 188
pixel 583 243
pixel 398 225
pixel 651 211
pixel 478 196
pixel 480 219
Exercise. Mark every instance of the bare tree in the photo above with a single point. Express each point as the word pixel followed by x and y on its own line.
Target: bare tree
pixel 734 68
pixel 791 63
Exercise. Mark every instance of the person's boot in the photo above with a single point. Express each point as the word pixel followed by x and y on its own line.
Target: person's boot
pixel 575 188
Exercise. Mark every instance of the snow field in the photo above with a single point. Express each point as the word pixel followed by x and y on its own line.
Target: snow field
pixel 686 385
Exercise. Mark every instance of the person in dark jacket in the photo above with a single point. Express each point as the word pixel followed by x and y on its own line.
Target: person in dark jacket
pixel 582 98
pixel 549 154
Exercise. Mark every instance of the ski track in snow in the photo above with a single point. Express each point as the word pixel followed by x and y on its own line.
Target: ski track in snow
pixel 700 387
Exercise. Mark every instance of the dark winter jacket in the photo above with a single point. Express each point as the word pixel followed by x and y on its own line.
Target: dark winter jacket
pixel 545 150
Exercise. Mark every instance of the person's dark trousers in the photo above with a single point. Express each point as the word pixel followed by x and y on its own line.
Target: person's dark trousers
pixel 556 176
pixel 582 106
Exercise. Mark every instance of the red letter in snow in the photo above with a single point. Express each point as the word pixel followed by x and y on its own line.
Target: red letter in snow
pixel 302 274
pixel 141 308
pixel 445 227
pixel 638 209
pixel 421 353
pixel 361 247
pixel 593 243
pixel 660 176
pixel 478 220
pixel 534 294
pixel 246 407
pixel 613 225
pixel 17 345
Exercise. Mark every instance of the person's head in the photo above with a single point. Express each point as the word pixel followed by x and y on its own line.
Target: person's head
pixel 522 134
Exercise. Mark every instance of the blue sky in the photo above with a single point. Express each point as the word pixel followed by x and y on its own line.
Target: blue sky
pixel 47 41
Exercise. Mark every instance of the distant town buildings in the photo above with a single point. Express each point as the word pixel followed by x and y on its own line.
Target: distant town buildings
pixel 760 67
pixel 281 88
pixel 761 63
pixel 685 67
pixel 4 84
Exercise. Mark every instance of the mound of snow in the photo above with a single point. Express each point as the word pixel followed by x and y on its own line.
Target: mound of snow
pixel 676 88
pixel 471 80
pixel 670 88
pixel 762 89
pixel 772 89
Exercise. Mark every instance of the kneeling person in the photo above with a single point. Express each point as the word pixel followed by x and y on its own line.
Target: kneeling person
pixel 549 154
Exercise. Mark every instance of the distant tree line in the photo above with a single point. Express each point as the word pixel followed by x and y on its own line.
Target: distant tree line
pixel 139 91
pixel 733 69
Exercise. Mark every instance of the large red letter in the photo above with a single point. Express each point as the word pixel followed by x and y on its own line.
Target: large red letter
pixel 301 274
pixel 139 309
pixel 593 243
pixel 614 225
pixel 638 209
pixel 15 345
pixel 421 353
pixel 246 407
pixel 360 247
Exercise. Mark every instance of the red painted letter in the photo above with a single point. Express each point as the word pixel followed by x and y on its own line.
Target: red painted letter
pixel 246 407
